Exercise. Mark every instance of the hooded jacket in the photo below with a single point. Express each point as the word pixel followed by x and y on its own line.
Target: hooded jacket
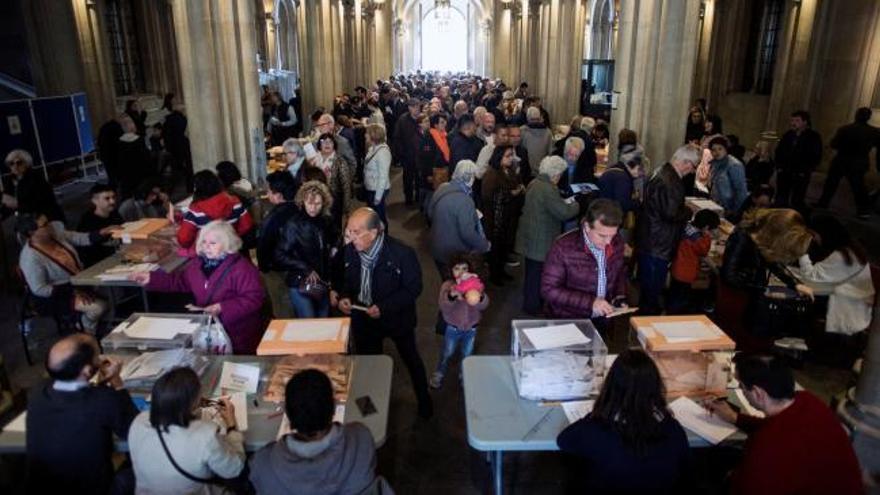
pixel 538 142
pixel 221 206
pixel 455 225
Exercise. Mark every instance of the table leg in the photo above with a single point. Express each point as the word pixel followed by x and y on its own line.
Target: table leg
pixel 498 472
pixel 146 300
pixel 111 295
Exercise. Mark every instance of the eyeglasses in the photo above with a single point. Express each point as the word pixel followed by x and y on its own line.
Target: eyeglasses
pixel 16 161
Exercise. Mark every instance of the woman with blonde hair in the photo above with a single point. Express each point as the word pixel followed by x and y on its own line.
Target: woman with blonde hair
pixel 224 283
pixel 377 167
pixel 338 175
pixel 764 242
pixel 304 249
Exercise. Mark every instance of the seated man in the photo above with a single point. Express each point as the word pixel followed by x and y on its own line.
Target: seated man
pixel 320 456
pixel 71 422
pixel 149 201
pixel 102 217
pixel 584 273
pixel 799 447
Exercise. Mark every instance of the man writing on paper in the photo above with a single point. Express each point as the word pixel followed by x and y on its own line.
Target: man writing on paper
pixel 799 447
pixel 383 275
pixel 584 274
pixel 70 422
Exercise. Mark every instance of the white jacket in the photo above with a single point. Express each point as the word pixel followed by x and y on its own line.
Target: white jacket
pixel 377 167
pixel 850 287
pixel 200 449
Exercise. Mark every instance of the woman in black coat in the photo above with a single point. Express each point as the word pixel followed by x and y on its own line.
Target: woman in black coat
pixel 303 250
pixel 434 153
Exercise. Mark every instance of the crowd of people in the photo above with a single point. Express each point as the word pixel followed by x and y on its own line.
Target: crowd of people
pixel 497 186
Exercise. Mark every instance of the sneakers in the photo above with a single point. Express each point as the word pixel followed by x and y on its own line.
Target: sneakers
pixel 436 380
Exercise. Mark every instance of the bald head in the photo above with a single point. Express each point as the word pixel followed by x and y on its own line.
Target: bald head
pixel 73 357
pixel 364 226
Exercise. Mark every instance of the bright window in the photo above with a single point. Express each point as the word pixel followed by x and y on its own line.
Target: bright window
pixel 444 40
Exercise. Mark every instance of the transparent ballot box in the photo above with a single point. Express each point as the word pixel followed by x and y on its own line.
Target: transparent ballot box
pixel 557 359
pixel 692 353
pixel 154 331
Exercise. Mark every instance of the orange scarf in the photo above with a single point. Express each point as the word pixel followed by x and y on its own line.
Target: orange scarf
pixel 440 138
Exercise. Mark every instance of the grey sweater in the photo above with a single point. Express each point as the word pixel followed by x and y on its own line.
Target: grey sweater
pixel 40 272
pixel 454 223
pixel 341 463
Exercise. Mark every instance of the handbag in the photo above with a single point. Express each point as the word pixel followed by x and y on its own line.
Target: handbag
pixel 440 176
pixel 212 338
pixel 315 290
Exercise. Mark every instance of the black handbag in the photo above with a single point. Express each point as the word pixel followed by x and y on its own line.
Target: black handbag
pixel 314 290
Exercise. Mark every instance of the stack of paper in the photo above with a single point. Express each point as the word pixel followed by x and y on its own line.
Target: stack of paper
pixel 554 375
pixel 151 365
pixel 685 331
pixel 556 336
pixel 577 409
pixel 305 336
pixel 698 420
pixel 147 327
pixel 122 271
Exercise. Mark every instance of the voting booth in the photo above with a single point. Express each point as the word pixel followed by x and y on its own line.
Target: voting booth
pixel 691 352
pixel 557 359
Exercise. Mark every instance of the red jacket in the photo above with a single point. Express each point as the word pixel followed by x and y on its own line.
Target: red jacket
pixel 803 450
pixel 693 246
pixel 571 274
pixel 221 206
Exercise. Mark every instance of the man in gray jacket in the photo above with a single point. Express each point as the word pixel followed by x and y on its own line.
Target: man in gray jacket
pixel 321 457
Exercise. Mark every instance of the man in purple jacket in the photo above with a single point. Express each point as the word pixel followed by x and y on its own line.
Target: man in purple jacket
pixel 584 274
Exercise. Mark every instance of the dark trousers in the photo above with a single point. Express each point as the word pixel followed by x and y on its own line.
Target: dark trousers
pixel 855 174
pixel 791 189
pixel 532 302
pixel 652 280
pixel 679 300
pixel 498 254
pixel 410 181
pixel 369 334
pixel 380 208
pixel 440 326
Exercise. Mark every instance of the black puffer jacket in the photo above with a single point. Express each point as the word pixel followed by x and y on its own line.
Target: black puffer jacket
pixel 303 246
pixel 745 268
pixel 663 215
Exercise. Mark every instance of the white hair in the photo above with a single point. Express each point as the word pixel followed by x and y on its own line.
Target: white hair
pixel 20 154
pixel 460 105
pixel 224 233
pixel 686 153
pixel 574 142
pixel 552 165
pixel 465 170
pixel 587 124
pixel 292 144
pixel 533 114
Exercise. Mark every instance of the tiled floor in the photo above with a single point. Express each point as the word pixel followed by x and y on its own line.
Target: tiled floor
pixel 427 457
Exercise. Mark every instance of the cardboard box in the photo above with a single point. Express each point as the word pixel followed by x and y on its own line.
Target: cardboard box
pixel 305 336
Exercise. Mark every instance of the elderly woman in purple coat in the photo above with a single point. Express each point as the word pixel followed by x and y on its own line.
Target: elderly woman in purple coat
pixel 224 283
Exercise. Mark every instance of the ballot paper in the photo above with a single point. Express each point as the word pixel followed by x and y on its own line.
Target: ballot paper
pixel 152 365
pixel 697 419
pixel 284 427
pixel 130 227
pixel 240 377
pixel 556 336
pixel 685 331
pixel 311 330
pixel 17 424
pixel 554 375
pixel 239 402
pixel 745 406
pixel 704 204
pixel 621 311
pixel 123 270
pixel 577 409
pixel 146 327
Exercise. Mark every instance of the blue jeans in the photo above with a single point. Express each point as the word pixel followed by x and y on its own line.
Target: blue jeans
pixel 652 280
pixel 451 340
pixel 380 208
pixel 306 307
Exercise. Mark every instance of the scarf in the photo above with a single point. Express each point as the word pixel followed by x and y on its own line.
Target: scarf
pixel 209 265
pixel 440 138
pixel 368 261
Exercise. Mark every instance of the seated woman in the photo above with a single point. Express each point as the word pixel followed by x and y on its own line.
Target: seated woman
pixel 320 457
pixel 211 202
pixel 48 260
pixel 841 268
pixel 224 283
pixel 172 438
pixel 762 244
pixel 630 443
pixel 240 187
pixel 303 250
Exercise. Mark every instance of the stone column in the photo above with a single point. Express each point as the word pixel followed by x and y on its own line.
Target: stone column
pixel 321 53
pixel 216 46
pixel 383 52
pixel 159 50
pixel 560 48
pixel 654 71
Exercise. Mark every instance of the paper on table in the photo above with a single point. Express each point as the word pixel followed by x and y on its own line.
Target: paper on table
pixel 129 227
pixel 621 312
pixel 698 420
pixel 18 424
pixel 577 409
pixel 311 331
pixel 685 331
pixel 269 335
pixel 556 336
pixel 239 402
pixel 152 364
pixel 240 377
pixel 147 327
pixel 746 407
